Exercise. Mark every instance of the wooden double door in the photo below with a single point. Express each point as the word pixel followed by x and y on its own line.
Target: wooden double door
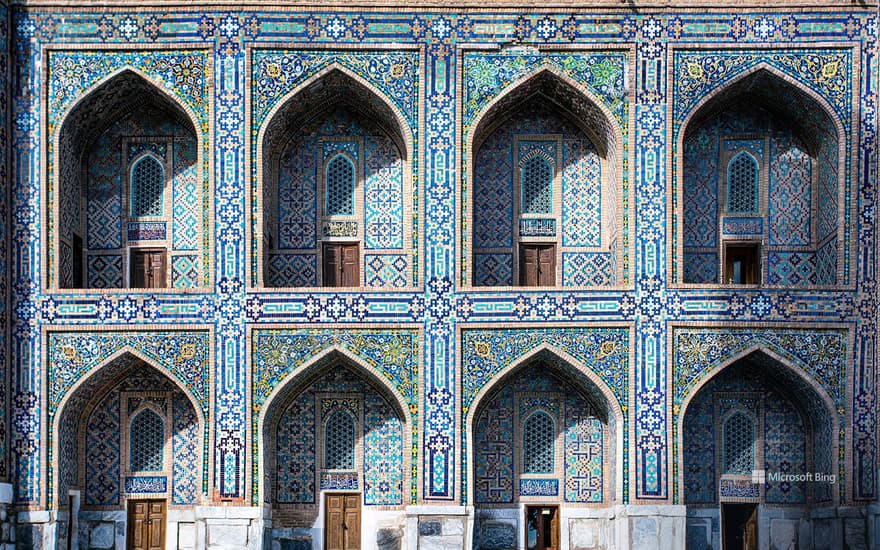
pixel 146 525
pixel 342 526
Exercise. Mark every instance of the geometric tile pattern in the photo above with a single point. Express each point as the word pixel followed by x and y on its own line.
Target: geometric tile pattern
pixel 493 269
pixel 667 62
pixel 105 271
pixel 185 271
pixel 383 194
pixel 187 196
pixel 383 453
pixel 493 193
pixel 581 194
pixel 104 194
pixel 292 270
pixel 186 451
pixel 584 458
pixel 701 267
pixel 587 269
pixel 295 452
pixel 791 268
pixel 790 194
pixel 494 444
pixel 700 189
pixel 103 453
pixel 386 270
pixel 785 452
pixel 297 188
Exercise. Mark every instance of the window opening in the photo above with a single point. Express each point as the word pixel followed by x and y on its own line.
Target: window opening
pixel 742 264
pixel 339 185
pixel 147 447
pixel 739 444
pixel 539 437
pixel 339 442
pixel 147 186
pixel 742 184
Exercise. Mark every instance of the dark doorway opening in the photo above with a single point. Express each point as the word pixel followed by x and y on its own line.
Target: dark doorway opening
pixel 542 528
pixel 739 526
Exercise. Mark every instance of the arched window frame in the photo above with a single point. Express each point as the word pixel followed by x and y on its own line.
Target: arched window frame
pixel 354 185
pixel 551 441
pixel 352 443
pixel 725 466
pixel 548 184
pixel 755 184
pixel 133 188
pixel 129 425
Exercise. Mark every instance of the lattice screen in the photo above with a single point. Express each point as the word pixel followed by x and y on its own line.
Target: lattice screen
pixel 340 187
pixel 147 442
pixel 339 439
pixel 537 186
pixel 739 444
pixel 742 184
pixel 539 436
pixel 147 186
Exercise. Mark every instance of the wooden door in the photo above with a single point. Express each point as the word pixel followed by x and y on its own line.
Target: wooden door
pixel 148 269
pixel 750 540
pixel 341 264
pixel 342 530
pixel 537 264
pixel 542 528
pixel 146 525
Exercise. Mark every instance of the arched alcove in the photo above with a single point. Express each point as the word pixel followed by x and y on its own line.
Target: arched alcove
pixel 129 205
pixel 762 178
pixel 757 433
pixel 334 142
pixel 545 188
pixel 126 432
pixel 519 478
pixel 331 435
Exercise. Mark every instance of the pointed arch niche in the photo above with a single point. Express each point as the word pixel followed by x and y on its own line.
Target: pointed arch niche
pixel 795 432
pixel 334 188
pixel 335 401
pixel 93 439
pixel 129 203
pixel 544 389
pixel 761 182
pixel 545 186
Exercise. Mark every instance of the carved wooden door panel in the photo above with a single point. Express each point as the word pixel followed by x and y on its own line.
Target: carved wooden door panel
pixel 146 525
pixel 343 523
